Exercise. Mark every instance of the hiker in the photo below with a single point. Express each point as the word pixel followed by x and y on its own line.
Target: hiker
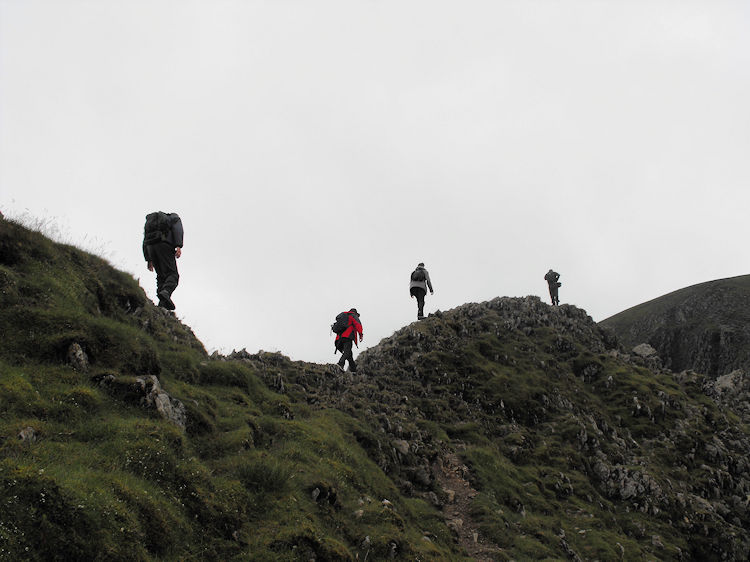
pixel 162 245
pixel 418 283
pixel 552 282
pixel 347 327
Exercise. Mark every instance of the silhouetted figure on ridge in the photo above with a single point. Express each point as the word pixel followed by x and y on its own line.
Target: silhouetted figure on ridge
pixel 162 245
pixel 347 327
pixel 552 282
pixel 418 284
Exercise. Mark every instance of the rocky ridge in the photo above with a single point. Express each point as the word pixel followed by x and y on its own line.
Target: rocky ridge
pixel 635 438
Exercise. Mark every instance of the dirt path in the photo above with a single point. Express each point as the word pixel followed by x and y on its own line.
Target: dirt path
pixel 452 475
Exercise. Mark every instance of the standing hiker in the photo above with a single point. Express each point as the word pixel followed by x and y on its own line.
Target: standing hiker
pixel 162 245
pixel 418 283
pixel 552 282
pixel 347 327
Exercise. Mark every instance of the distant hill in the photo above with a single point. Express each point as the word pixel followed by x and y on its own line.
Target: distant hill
pixel 502 430
pixel 705 327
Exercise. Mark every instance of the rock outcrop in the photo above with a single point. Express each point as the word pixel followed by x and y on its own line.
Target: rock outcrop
pixel 147 392
pixel 78 358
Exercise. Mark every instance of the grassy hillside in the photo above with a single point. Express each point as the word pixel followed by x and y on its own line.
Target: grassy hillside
pixel 99 475
pixel 495 431
pixel 705 327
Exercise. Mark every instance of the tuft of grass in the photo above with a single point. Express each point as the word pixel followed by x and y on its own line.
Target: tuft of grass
pixel 265 477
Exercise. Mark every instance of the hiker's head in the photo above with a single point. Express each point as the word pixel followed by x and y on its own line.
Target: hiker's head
pixel 420 264
pixel 354 310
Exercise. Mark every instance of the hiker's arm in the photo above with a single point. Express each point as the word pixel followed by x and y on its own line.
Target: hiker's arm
pixel 178 252
pixel 150 265
pixel 177 231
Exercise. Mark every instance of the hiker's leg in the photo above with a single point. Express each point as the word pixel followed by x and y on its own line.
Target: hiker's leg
pixel 346 354
pixel 350 357
pixel 165 264
pixel 420 294
pixel 414 292
pixel 339 347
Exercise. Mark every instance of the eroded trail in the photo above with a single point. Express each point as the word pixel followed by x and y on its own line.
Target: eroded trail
pixel 452 475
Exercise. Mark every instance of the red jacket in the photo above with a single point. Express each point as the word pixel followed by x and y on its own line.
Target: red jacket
pixel 353 330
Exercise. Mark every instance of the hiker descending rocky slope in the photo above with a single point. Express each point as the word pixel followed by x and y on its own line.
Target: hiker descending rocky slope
pixel 504 430
pixel 705 327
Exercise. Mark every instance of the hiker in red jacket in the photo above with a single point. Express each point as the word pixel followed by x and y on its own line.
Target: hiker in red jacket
pixel 347 327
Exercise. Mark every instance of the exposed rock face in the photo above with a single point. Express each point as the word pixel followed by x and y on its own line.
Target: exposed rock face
pixel 154 397
pixel 78 358
pixel 705 327
pixel 644 350
pixel 147 392
pixel 731 391
pixel 27 434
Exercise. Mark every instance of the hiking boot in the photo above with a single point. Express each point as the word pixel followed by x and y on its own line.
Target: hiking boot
pixel 338 368
pixel 165 301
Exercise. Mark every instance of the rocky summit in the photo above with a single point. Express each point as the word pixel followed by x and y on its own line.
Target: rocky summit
pixel 502 430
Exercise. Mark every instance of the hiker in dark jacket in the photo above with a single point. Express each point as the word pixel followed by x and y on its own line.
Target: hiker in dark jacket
pixel 347 337
pixel 162 245
pixel 552 282
pixel 419 281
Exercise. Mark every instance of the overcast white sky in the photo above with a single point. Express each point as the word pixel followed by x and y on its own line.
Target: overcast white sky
pixel 317 151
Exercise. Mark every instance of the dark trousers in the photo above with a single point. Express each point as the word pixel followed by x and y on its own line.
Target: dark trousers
pixel 553 293
pixel 165 264
pixel 344 345
pixel 420 293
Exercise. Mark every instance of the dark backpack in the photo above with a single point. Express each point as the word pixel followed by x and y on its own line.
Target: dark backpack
pixel 418 275
pixel 341 323
pixel 157 228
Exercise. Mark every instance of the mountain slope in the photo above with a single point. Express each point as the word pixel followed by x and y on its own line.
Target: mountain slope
pixel 121 440
pixel 705 327
pixel 495 431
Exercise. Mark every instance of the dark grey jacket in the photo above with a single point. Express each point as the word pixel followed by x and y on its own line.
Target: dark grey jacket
pixel 174 237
